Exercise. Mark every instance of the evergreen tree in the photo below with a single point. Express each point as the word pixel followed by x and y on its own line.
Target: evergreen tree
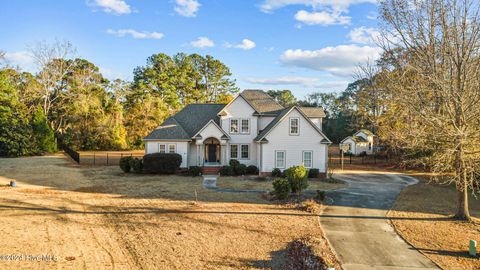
pixel 43 136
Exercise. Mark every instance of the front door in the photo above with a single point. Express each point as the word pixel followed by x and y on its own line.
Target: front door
pixel 212 153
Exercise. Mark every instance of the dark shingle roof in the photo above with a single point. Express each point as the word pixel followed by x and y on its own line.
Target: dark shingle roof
pixel 187 122
pixel 272 124
pixel 366 131
pixel 262 102
pixel 313 112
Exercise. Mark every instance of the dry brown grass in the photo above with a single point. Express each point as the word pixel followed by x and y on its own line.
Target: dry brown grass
pixel 100 218
pixel 421 215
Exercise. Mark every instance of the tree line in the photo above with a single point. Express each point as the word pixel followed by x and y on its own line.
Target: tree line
pixel 69 99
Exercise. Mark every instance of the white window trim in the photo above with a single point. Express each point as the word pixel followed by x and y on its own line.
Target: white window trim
pixel 165 145
pixel 290 126
pixel 230 149
pixel 311 158
pixel 284 159
pixel 240 152
pixel 174 148
pixel 248 126
pixel 230 126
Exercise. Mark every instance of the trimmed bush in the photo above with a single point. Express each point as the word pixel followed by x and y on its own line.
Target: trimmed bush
pixel 281 188
pixel 313 173
pixel 125 164
pixel 276 172
pixel 194 170
pixel 297 177
pixel 137 165
pixel 226 171
pixel 302 254
pixel 163 163
pixel 252 169
pixel 241 169
pixel 234 163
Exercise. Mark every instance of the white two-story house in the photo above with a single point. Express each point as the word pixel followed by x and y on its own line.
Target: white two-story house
pixel 253 129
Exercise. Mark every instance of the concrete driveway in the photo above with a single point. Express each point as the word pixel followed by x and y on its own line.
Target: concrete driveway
pixel 356 226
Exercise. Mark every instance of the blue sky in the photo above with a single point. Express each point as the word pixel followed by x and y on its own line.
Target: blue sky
pixel 303 45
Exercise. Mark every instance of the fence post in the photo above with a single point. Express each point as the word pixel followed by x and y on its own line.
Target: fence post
pixel 93 158
pixel 107 158
pixel 350 158
pixel 121 155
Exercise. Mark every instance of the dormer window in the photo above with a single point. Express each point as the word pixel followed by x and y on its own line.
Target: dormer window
pixel 294 126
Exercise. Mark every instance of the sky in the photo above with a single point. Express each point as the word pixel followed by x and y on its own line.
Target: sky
pixel 303 45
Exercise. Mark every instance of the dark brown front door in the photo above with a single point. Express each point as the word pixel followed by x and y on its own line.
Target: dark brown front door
pixel 212 153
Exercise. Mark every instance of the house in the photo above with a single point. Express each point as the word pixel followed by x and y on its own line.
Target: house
pixel 253 129
pixel 360 142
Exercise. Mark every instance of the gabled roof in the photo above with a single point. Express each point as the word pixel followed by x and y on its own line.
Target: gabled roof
pixel 357 139
pixel 366 131
pixel 261 102
pixel 260 137
pixel 313 112
pixel 225 136
pixel 187 122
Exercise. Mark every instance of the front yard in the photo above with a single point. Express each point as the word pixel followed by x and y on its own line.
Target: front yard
pixel 421 215
pixel 100 218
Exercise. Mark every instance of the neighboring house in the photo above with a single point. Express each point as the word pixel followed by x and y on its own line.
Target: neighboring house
pixel 253 129
pixel 361 142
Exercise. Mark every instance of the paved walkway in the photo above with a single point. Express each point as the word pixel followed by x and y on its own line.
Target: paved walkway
pixel 356 226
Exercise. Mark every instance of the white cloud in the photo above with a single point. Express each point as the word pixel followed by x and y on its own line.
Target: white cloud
pixel 341 60
pixel 22 59
pixel 187 8
pixel 117 7
pixel 246 44
pixel 202 42
pixel 135 34
pixel 336 5
pixel 322 18
pixel 364 35
pixel 296 80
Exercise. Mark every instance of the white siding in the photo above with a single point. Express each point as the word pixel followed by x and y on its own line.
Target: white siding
pixel 308 140
pixel 264 121
pixel 192 154
pixel 352 145
pixel 211 131
pixel 239 108
pixel 182 149
pixel 317 122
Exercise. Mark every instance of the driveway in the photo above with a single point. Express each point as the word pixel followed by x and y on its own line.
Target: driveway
pixel 355 223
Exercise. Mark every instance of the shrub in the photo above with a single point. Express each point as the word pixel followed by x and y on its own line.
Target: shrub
pixel 125 164
pixel 302 254
pixel 276 172
pixel 137 165
pixel 234 163
pixel 241 169
pixel 252 169
pixel 164 163
pixel 281 188
pixel 320 196
pixel 194 170
pixel 297 177
pixel 313 173
pixel 226 171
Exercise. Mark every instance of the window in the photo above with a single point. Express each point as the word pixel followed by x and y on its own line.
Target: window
pixel 245 127
pixel 279 159
pixel 294 126
pixel 234 151
pixel 307 159
pixel 162 148
pixel 244 151
pixel 233 125
pixel 172 148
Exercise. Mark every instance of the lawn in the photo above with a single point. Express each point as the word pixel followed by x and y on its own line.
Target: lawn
pixel 421 215
pixel 100 218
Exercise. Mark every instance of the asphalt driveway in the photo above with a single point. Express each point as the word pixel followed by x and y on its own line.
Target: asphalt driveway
pixel 355 223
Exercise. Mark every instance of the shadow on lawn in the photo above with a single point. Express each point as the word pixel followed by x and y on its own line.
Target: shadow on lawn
pixel 462 254
pixel 388 218
pixel 276 262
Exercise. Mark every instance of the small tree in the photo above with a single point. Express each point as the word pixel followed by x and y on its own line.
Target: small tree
pixel 44 138
pixel 297 177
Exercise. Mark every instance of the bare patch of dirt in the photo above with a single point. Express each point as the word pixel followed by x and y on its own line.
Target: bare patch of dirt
pixel 422 216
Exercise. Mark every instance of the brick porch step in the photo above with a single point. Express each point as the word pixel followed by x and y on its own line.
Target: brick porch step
pixel 211 170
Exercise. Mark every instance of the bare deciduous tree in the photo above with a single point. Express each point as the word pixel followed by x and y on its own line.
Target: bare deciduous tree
pixel 52 62
pixel 436 84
